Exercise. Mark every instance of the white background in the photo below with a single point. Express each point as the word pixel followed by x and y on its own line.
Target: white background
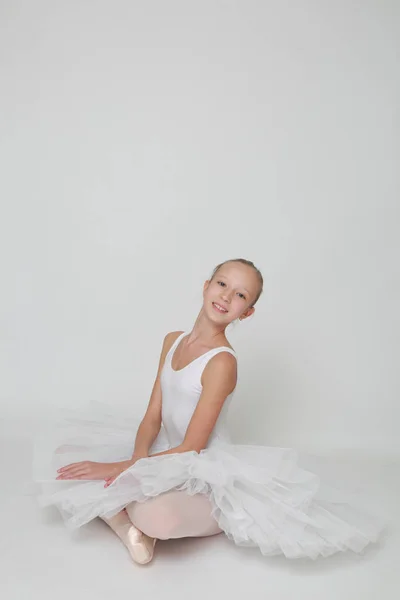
pixel 144 142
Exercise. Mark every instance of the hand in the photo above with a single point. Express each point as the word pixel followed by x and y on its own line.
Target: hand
pixel 92 470
pixel 110 479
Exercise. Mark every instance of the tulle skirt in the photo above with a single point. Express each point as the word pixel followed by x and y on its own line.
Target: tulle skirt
pixel 261 496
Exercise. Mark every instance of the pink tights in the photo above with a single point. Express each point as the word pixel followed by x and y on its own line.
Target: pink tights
pixel 174 514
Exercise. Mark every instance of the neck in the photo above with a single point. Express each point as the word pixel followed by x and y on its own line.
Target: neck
pixel 204 330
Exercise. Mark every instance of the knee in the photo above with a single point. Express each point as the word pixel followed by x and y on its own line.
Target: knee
pixel 155 519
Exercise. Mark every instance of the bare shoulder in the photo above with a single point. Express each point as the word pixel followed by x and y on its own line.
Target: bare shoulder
pixel 221 369
pixel 170 338
pixel 168 341
pixel 223 361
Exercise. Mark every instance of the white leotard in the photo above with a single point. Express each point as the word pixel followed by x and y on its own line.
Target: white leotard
pixel 181 391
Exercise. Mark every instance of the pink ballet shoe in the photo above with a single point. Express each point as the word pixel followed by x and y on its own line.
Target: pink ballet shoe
pixel 140 546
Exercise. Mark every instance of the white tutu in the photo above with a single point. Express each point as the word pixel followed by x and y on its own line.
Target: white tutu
pixel 261 496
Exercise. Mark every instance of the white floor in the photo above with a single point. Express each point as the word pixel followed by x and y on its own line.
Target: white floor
pixel 40 558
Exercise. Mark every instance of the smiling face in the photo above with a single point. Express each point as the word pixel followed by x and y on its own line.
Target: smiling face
pixel 230 293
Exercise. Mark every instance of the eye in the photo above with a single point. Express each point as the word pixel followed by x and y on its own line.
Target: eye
pixel 221 283
pixel 241 295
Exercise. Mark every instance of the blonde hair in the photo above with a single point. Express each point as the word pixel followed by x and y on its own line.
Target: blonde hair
pixel 248 263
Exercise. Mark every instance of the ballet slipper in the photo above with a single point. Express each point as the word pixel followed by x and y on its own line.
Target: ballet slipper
pixel 140 546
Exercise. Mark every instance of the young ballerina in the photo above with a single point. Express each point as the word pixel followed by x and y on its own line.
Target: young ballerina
pixel 181 476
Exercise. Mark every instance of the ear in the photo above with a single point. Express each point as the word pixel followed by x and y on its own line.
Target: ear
pixel 206 284
pixel 250 311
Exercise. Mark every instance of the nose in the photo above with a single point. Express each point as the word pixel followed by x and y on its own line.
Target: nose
pixel 226 295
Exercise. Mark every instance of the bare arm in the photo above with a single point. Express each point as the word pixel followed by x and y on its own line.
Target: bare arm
pixel 219 380
pixel 151 422
pixel 146 434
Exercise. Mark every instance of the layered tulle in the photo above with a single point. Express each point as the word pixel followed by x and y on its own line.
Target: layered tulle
pixel 261 496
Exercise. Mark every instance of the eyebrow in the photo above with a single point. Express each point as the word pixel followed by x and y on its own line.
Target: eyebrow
pixel 243 288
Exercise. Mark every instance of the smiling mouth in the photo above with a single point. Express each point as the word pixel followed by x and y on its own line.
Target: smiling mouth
pixel 219 308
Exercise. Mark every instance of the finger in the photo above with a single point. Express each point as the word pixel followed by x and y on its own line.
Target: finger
pixel 75 464
pixel 109 481
pixel 74 469
pixel 76 477
pixel 66 467
pixel 74 473
pixel 72 466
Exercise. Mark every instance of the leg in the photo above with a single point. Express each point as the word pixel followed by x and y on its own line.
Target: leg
pixel 140 546
pixel 120 524
pixel 174 514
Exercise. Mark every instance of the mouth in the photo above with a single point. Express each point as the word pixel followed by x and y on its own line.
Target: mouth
pixel 219 308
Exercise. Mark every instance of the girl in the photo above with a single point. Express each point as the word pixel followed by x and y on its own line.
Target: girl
pixel 183 477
